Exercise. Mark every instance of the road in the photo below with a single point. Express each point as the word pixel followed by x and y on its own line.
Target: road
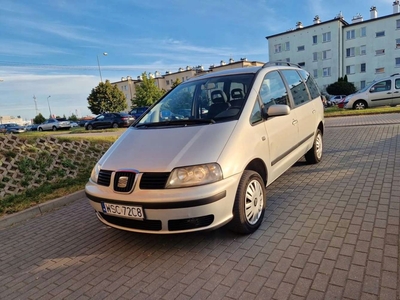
pixel 331 231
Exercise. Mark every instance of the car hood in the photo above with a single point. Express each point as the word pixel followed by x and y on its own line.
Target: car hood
pixel 163 149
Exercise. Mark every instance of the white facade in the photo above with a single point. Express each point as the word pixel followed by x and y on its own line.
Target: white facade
pixel 364 50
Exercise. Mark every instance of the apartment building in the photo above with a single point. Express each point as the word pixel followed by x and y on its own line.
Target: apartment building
pixel 128 85
pixel 364 50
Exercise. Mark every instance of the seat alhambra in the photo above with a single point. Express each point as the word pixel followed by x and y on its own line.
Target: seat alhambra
pixel 241 130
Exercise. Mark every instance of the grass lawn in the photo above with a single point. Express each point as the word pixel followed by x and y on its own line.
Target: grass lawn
pixel 340 112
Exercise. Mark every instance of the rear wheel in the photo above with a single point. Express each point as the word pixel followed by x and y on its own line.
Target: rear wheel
pixel 40 129
pixel 249 206
pixel 115 125
pixel 360 104
pixel 54 128
pixel 314 155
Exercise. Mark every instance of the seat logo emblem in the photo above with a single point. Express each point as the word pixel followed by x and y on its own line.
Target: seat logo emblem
pixel 122 182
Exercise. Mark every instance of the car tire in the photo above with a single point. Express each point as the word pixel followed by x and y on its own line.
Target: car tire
pixel 314 155
pixel 250 202
pixel 54 128
pixel 115 125
pixel 40 129
pixel 360 104
pixel 89 127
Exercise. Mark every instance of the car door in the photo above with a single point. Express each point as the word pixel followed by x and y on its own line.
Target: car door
pixel 303 106
pixel 282 131
pixel 380 93
pixel 396 92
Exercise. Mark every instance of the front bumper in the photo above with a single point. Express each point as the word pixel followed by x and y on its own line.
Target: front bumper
pixel 170 210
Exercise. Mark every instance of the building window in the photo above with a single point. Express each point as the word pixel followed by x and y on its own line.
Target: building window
pixel 288 59
pixel 315 56
pixel 326 54
pixel 397 61
pixel 350 52
pixel 350 69
pixel 315 73
pixel 350 34
pixel 326 72
pixel 167 82
pixel 300 48
pixel 397 43
pixel 363 50
pixel 278 48
pixel 362 84
pixel 398 24
pixel 314 39
pixel 380 33
pixel 363 67
pixel 326 37
pixel 380 70
pixel 380 52
pixel 363 31
pixel 302 64
pixel 287 46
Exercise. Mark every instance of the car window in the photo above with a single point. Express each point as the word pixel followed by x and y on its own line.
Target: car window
pixel 273 90
pixel 311 84
pixel 397 83
pixel 297 87
pixel 382 86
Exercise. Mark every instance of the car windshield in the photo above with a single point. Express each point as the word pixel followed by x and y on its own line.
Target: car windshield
pixel 201 101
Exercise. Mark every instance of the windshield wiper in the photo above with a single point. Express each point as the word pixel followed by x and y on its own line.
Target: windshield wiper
pixel 177 123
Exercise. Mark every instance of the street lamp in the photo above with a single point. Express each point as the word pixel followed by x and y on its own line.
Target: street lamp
pixel 49 104
pixel 98 63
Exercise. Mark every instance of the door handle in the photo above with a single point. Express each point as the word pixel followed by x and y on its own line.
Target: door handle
pixel 294 122
pixel 389 93
pixel 396 92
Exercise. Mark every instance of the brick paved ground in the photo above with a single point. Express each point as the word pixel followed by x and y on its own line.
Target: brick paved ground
pixel 331 231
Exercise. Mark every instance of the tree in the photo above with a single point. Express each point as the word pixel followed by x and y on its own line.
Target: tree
pixel 341 87
pixel 39 119
pixel 73 117
pixel 176 83
pixel 147 92
pixel 106 98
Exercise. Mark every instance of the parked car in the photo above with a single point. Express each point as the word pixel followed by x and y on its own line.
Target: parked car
pixel 74 124
pixel 82 122
pixel 11 128
pixel 55 124
pixel 138 111
pixel 32 127
pixel 336 99
pixel 208 170
pixel 385 91
pixel 110 120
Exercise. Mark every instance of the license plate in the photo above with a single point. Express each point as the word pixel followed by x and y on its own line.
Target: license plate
pixel 132 212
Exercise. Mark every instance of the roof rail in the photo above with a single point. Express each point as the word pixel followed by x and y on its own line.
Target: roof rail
pixel 395 74
pixel 280 63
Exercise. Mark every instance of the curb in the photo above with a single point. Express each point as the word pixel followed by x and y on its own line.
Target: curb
pixel 40 209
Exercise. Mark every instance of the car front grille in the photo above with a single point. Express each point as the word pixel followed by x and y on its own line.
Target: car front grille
pixel 154 181
pixel 153 225
pixel 123 181
pixel 104 177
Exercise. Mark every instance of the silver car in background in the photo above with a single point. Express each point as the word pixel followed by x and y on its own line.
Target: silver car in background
pixel 55 124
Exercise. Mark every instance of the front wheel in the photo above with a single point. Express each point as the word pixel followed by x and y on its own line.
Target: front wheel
pixel 54 128
pixel 360 104
pixel 250 202
pixel 40 129
pixel 89 127
pixel 314 155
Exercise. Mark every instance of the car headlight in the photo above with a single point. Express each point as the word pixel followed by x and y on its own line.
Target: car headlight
pixel 95 173
pixel 194 175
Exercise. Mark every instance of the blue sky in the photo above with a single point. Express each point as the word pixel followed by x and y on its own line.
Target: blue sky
pixel 50 47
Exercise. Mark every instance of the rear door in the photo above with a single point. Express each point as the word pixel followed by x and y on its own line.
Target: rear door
pixel 396 92
pixel 303 106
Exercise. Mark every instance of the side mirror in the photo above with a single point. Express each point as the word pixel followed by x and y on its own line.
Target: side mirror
pixel 275 110
pixel 372 89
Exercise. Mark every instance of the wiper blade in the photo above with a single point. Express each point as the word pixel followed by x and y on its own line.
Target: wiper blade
pixel 177 123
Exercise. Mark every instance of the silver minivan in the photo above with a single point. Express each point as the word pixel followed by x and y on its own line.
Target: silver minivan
pixel 242 128
pixel 383 92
